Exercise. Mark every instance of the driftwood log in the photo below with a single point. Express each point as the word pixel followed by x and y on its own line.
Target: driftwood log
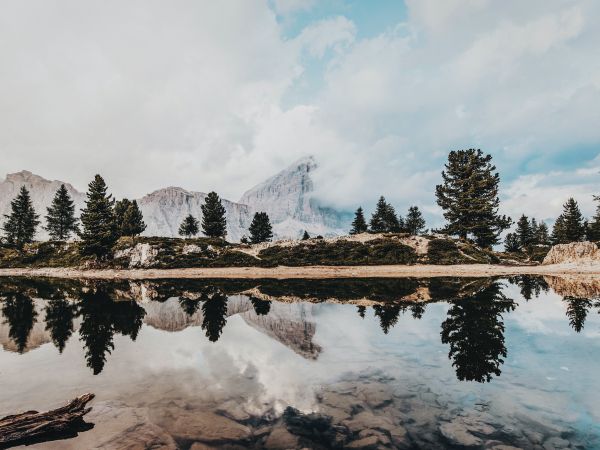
pixel 32 426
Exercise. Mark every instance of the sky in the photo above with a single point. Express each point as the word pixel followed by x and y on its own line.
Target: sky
pixel 221 95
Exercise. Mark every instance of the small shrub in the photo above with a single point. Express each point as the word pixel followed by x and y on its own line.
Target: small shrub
pixel 443 251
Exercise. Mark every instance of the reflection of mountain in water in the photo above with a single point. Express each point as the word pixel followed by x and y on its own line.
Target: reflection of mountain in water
pixel 280 309
pixel 288 324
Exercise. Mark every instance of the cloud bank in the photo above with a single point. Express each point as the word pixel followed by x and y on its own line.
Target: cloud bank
pixel 199 95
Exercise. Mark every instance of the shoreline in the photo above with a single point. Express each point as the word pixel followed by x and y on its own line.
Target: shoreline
pixel 316 272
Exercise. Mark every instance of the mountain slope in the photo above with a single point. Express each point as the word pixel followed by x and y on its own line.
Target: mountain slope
pixel 165 209
pixel 287 199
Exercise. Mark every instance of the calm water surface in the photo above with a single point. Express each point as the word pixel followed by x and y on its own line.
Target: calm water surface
pixel 407 363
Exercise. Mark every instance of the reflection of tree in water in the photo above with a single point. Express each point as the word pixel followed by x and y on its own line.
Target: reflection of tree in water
pixel 214 309
pixel 577 311
pixel 59 321
pixel 261 307
pixel 361 311
pixel 20 314
pixel 101 319
pixel 530 286
pixel 475 331
pixel 189 305
pixel 388 316
pixel 417 310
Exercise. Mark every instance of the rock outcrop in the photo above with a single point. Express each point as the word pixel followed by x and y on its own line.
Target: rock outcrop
pixel 142 255
pixel 574 253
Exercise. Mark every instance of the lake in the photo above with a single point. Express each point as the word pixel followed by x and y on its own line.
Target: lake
pixel 361 363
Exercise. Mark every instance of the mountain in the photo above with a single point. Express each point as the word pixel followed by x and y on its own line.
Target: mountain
pixel 165 209
pixel 41 191
pixel 285 197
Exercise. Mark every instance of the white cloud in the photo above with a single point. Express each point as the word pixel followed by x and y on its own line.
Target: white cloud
pixel 336 33
pixel 192 94
pixel 543 195
pixel 285 7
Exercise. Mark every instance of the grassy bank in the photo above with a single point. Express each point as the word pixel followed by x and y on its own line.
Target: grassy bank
pixel 174 253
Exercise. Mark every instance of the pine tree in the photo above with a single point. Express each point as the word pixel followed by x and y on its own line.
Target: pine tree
pixel 384 219
pixel 131 220
pixel 542 236
pixel 61 220
pixel 99 231
pixel 378 219
pixel 574 228
pixel 305 236
pixel 558 231
pixel 469 197
pixel 393 223
pixel 260 228
pixel 524 233
pixel 414 224
pixel 534 231
pixel 359 224
pixel 22 221
pixel 120 209
pixel 593 230
pixel 214 223
pixel 189 226
pixel 512 243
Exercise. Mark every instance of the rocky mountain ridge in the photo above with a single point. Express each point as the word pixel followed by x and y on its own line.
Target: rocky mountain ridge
pixel 286 198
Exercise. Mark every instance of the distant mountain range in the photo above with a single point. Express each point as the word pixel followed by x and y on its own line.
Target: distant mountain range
pixel 286 198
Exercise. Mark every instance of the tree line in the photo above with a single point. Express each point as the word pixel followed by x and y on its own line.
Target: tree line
pixel 104 220
pixel 469 198
pixel 385 220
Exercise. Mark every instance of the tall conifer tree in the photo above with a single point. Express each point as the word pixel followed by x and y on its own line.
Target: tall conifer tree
pixel 542 236
pixel 189 226
pixel 559 235
pixel 359 224
pixel 61 220
pixel 384 219
pixel 469 197
pixel 22 221
pixel 260 228
pixel 414 223
pixel 129 217
pixel 593 231
pixel 512 243
pixel 574 227
pixel 214 223
pixel 99 231
pixel 524 232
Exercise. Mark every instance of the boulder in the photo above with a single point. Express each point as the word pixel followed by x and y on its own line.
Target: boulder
pixel 142 255
pixel 191 249
pixel 575 252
